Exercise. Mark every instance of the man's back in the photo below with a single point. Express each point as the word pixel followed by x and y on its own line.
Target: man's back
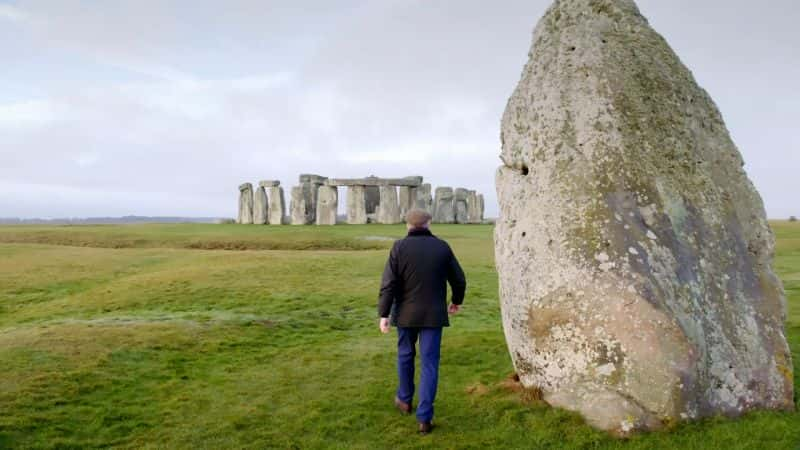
pixel 415 280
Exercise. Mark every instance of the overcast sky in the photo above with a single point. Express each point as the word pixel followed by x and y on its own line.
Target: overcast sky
pixel 165 107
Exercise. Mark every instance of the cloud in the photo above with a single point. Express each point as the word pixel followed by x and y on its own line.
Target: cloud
pixel 26 113
pixel 182 101
pixel 12 13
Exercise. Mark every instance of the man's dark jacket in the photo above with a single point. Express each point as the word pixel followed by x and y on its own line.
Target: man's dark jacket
pixel 415 281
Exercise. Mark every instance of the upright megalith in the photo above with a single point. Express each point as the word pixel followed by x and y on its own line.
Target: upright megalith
pixel 373 198
pixel 327 205
pixel 389 209
pixel 444 209
pixel 298 208
pixel 277 206
pixel 245 203
pixel 473 211
pixel 311 184
pixel 260 208
pixel 424 199
pixel 634 254
pixel 407 197
pixel 462 213
pixel 356 205
pixel 481 208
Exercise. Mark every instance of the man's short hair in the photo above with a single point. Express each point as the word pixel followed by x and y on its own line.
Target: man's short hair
pixel 418 218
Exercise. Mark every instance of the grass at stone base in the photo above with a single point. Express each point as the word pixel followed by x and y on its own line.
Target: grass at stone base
pixel 155 345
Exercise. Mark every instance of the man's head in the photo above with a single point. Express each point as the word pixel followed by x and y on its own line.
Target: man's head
pixel 418 218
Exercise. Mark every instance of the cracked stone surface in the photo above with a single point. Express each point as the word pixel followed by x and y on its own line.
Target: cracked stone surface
pixel 634 254
pixel 260 206
pixel 245 203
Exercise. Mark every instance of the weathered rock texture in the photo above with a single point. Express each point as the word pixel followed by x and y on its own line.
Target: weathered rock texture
pixel 633 252
pixel 444 209
pixel 473 211
pixel 245 203
pixel 389 209
pixel 311 184
pixel 373 194
pixel 277 206
pixel 298 208
pixel 462 215
pixel 481 208
pixel 356 205
pixel 327 205
pixel 407 198
pixel 424 198
pixel 260 207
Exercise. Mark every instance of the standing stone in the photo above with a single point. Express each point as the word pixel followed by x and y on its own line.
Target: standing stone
pixel 462 215
pixel 424 199
pixel 311 184
pixel 245 203
pixel 356 205
pixel 260 206
pixel 473 214
pixel 444 210
pixel 373 194
pixel 481 208
pixel 389 210
pixel 327 205
pixel 407 199
pixel 298 208
pixel 634 254
pixel 277 206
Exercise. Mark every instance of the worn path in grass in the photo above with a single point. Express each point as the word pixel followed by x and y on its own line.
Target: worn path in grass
pixel 154 336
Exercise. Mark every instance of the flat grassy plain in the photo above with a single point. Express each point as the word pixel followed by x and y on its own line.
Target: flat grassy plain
pixel 226 336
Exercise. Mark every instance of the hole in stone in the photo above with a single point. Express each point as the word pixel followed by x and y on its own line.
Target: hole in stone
pixel 525 170
pixel 572 49
pixel 524 233
pixel 605 41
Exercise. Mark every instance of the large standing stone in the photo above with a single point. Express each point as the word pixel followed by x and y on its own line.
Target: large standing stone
pixel 634 254
pixel 356 205
pixel 407 198
pixel 389 210
pixel 260 207
pixel 311 184
pixel 327 205
pixel 373 195
pixel 298 208
pixel 444 209
pixel 462 215
pixel 277 206
pixel 424 199
pixel 481 208
pixel 245 203
pixel 473 212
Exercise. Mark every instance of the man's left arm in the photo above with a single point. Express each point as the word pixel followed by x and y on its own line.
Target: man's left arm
pixel 458 283
pixel 388 286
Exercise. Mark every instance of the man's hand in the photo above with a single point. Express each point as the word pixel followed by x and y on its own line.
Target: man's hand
pixel 383 324
pixel 454 309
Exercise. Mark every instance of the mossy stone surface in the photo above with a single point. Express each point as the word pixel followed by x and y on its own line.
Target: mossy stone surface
pixel 627 218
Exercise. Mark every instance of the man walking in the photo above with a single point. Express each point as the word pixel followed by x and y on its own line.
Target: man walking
pixel 414 293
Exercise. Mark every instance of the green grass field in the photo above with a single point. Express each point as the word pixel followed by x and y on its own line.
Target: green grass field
pixel 225 336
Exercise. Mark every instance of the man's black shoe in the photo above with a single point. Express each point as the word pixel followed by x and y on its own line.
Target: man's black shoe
pixel 404 407
pixel 425 428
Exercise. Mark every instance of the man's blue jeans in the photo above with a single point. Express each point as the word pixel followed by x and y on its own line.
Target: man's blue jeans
pixel 430 340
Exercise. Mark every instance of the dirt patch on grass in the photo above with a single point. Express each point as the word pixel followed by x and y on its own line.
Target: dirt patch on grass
pixel 527 395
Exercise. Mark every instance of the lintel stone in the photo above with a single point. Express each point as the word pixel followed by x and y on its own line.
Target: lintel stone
pixel 372 181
